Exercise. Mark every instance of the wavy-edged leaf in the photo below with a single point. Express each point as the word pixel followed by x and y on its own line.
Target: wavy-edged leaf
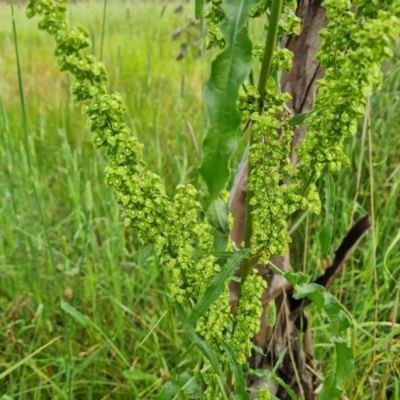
pixel 217 287
pixel 325 236
pixel 217 214
pixel 344 366
pixel 228 72
pixel 236 368
pixel 197 340
pixel 198 8
pixel 320 297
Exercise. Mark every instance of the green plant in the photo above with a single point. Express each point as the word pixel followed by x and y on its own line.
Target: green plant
pixel 199 255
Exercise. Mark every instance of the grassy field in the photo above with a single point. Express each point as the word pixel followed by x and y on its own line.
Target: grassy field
pixel 62 239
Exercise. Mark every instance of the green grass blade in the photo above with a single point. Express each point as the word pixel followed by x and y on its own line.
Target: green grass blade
pixel 218 285
pixel 84 320
pixel 26 359
pixel 325 236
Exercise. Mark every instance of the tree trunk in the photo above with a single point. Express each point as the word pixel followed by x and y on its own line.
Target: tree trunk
pixel 300 82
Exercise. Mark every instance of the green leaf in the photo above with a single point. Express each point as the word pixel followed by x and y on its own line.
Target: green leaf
pixel 198 8
pixel 236 368
pixel 186 383
pixel 329 303
pixel 344 366
pixel 325 236
pixel 220 240
pixel 217 287
pixel 145 254
pixel 197 340
pixel 137 374
pixel 262 373
pixel 299 118
pixel 217 215
pixel 88 196
pixel 77 315
pixel 330 391
pixel 228 72
pixel 26 359
pixel 295 278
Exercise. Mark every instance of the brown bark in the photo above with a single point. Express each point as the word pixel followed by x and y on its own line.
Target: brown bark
pixel 300 82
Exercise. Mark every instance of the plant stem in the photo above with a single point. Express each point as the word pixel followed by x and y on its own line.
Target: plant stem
pixel 265 72
pixel 270 44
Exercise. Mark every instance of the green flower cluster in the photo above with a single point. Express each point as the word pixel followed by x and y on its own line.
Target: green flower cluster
pixel 214 14
pixel 369 9
pixel 281 59
pixel 265 5
pixel 139 191
pixel 272 201
pixel 264 394
pixel 352 53
pixel 248 314
pixel 172 226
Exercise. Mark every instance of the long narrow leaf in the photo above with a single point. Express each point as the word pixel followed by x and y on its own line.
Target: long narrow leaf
pixel 325 236
pixel 228 72
pixel 197 340
pixel 240 383
pixel 26 359
pixel 218 285
pixel 198 8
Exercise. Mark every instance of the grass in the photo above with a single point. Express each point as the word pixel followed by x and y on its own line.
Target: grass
pixel 70 271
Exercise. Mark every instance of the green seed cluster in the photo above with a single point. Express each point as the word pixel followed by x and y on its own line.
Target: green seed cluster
pixel 264 7
pixel 138 190
pixel 354 46
pixel 248 314
pixel 369 9
pixel 264 394
pixel 172 226
pixel 281 59
pixel 272 201
pixel 214 14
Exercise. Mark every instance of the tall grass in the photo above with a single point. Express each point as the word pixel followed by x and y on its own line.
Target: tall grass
pixel 69 269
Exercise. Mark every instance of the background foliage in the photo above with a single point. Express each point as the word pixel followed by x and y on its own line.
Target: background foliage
pixel 67 243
